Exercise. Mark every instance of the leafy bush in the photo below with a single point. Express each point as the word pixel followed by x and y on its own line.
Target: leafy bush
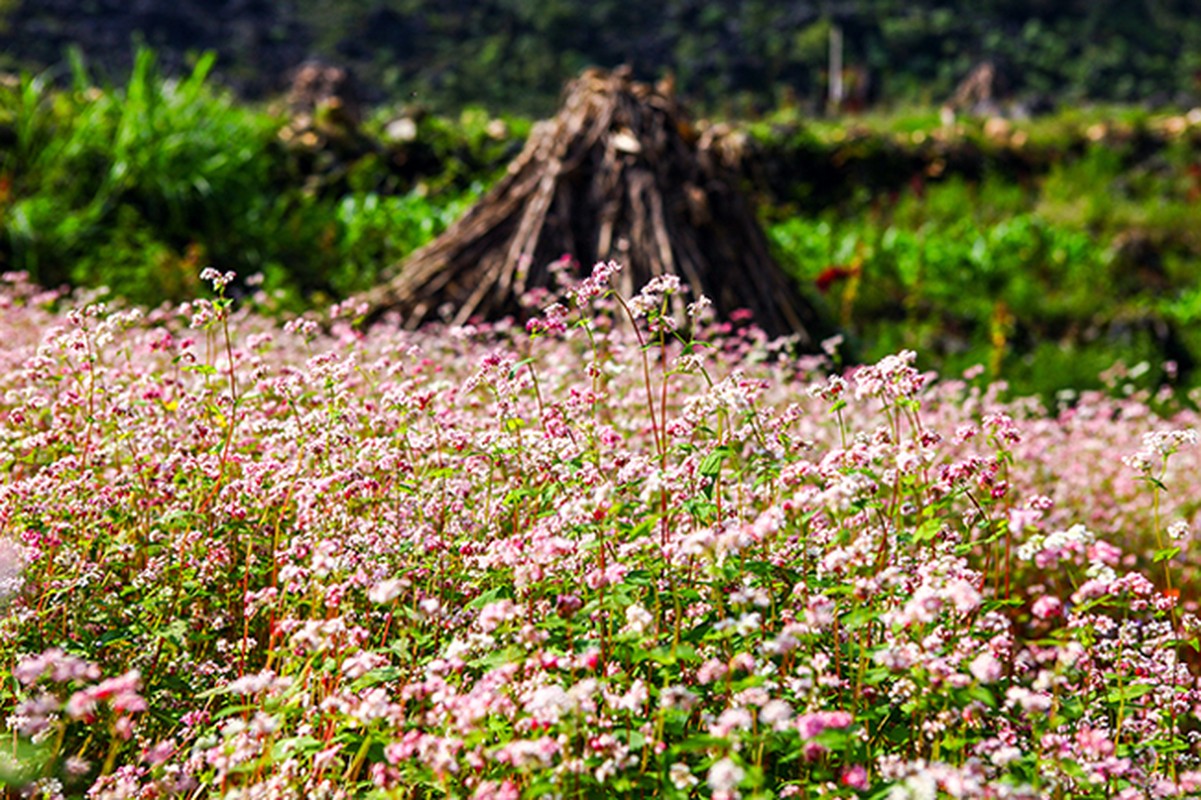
pixel 137 188
pixel 992 273
pixel 140 185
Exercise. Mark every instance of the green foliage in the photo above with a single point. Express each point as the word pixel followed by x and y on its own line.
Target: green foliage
pixel 1045 250
pixel 732 56
pixel 373 229
pixel 153 172
pixel 138 187
pixel 962 276
pixel 738 56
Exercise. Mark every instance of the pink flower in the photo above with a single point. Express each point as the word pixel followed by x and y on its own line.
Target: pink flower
pixel 963 596
pixel 1105 553
pixel 1047 607
pixel 159 753
pixel 1094 743
pixel 1091 589
pixel 854 777
pixel 82 705
pixel 810 726
pixel 986 668
pixel 492 790
pixel 776 713
pixel 820 611
pixel 63 668
pixel 123 727
pixel 1022 518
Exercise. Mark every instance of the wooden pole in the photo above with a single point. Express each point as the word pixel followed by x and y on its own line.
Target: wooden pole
pixel 834 103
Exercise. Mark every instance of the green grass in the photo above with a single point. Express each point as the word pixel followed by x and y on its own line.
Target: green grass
pixel 138 187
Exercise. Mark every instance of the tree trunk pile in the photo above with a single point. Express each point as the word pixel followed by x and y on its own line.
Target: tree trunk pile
pixel 619 174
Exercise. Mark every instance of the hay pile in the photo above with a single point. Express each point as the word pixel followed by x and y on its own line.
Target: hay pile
pixel 619 174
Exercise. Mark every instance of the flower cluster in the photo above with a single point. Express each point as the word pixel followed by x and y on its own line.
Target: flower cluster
pixel 262 560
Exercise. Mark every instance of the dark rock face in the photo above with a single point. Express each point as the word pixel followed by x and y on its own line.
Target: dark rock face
pixel 258 41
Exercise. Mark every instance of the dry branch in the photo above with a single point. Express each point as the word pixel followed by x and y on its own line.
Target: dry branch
pixel 619 174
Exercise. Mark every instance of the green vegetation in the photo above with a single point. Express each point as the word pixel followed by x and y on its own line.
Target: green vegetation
pixel 141 186
pixel 1044 251
pixel 743 56
pixel 1025 297
pixel 735 56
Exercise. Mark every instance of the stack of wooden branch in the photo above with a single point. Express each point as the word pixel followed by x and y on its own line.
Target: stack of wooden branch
pixel 619 174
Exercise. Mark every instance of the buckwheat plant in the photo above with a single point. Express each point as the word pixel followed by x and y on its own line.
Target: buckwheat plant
pixel 624 550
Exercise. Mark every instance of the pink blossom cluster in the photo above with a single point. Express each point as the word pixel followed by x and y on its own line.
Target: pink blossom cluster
pixel 584 559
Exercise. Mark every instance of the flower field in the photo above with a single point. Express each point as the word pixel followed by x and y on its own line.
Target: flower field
pixel 622 551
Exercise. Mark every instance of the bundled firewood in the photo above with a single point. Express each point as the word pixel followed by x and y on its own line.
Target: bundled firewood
pixel 619 174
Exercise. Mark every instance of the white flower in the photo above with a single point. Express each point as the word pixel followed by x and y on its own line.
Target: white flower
pixel 218 279
pixel 632 700
pixel 677 696
pixel 638 619
pixel 1004 755
pixel 699 307
pixel 831 345
pixel 725 776
pixel 921 786
pixel 681 776
pixel 385 591
pixel 11 565
pixel 776 713
pixel 252 684
pixel 748 623
pixel 548 704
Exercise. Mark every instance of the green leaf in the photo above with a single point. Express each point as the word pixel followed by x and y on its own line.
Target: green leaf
pixel 711 465
pixel 1166 554
pixel 637 577
pixel 1131 692
pixel 229 711
pixel 635 739
pixel 298 744
pixel 858 618
pixel 114 635
pixel 927 530
pixel 665 656
pixel 376 676
pixel 519 365
pixel 983 695
pixel 490 596
pixel 1156 482
pixel 700 742
pixel 494 658
pixel 643 528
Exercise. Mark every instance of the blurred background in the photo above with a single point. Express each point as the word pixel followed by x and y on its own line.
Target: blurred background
pixel 729 56
pixel 1013 184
